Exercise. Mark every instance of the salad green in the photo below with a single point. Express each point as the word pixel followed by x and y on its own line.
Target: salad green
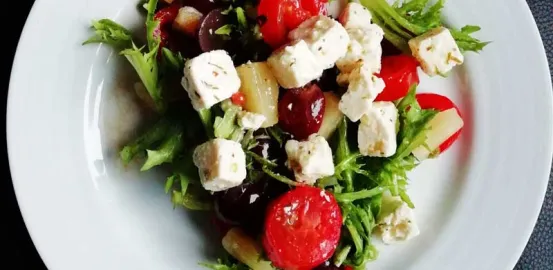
pixel 359 184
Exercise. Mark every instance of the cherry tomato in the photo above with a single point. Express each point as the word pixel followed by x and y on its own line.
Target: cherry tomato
pixel 238 99
pixel 439 103
pixel 399 72
pixel 165 17
pixel 301 110
pixel 277 17
pixel 302 228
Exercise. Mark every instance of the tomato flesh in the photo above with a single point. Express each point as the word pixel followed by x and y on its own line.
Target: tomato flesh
pixel 165 17
pixel 399 73
pixel 278 17
pixel 302 228
pixel 238 99
pixel 440 103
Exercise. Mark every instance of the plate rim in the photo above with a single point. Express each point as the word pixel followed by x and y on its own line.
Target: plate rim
pixel 523 240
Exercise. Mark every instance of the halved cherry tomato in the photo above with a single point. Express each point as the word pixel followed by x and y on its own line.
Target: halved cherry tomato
pixel 277 17
pixel 238 99
pixel 399 72
pixel 302 228
pixel 440 103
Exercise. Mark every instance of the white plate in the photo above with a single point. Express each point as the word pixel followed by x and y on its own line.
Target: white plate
pixel 68 110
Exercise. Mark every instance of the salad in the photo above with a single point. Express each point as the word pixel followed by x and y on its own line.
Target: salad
pixel 293 123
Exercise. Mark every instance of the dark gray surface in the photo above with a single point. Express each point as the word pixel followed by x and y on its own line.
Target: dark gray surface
pixel 538 254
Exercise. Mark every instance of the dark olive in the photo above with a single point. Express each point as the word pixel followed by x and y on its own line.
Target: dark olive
pixel 245 205
pixel 207 37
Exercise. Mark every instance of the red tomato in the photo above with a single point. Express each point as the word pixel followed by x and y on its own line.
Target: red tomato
pixel 302 228
pixel 440 103
pixel 238 99
pixel 278 17
pixel 399 72
pixel 165 16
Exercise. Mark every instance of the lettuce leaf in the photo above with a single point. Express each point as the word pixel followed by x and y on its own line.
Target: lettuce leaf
pixel 167 151
pixel 145 63
pixel 147 68
pixel 406 19
pixel 147 140
pixel 111 33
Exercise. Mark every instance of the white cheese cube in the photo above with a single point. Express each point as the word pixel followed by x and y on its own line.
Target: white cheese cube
pixel 355 16
pixel 364 46
pixel 436 51
pixel 377 131
pixel 396 221
pixel 354 107
pixel 250 121
pixel 364 83
pixel 326 38
pixel 441 127
pixel 363 89
pixel 210 78
pixel 294 65
pixel 311 159
pixel 221 164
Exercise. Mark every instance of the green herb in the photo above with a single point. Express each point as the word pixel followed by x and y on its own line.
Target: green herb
pixel 225 126
pixel 224 30
pixel 342 155
pixel 175 60
pixel 359 195
pixel 147 140
pixel 151 26
pixel 145 63
pixel 226 263
pixel 407 19
pixel 168 150
pixel 206 118
pixel 146 66
pixel 111 33
pixel 241 17
pixel 280 177
pixel 261 160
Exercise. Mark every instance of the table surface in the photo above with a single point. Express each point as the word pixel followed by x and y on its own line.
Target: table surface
pixel 538 254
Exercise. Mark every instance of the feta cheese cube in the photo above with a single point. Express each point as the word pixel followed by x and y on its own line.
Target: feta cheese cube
pixel 363 89
pixel 221 164
pixel 396 221
pixel 311 159
pixel 364 46
pixel 251 121
pixel 355 16
pixel 364 83
pixel 294 65
pixel 210 78
pixel 436 51
pixel 354 107
pixel 326 38
pixel 377 131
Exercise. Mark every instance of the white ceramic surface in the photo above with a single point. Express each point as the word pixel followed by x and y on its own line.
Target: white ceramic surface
pixel 69 110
